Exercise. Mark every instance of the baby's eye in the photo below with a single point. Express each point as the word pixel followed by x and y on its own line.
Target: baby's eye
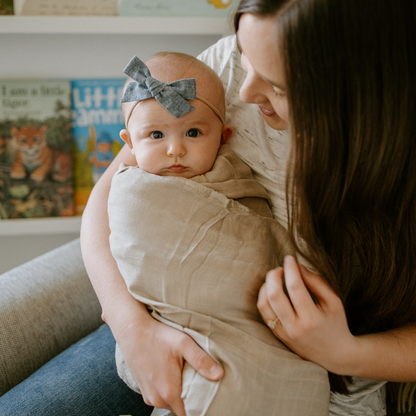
pixel 156 135
pixel 193 133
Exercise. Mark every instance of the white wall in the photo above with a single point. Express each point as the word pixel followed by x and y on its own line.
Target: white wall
pixel 77 56
pixel 16 250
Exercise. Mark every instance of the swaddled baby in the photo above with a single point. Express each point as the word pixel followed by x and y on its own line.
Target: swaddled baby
pixel 193 236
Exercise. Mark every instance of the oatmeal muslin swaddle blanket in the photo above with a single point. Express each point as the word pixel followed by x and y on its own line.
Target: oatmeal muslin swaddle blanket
pixel 196 251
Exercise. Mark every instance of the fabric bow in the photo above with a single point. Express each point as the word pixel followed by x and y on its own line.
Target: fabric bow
pixel 172 96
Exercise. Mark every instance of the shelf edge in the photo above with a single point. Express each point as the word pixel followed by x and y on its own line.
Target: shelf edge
pixel 40 226
pixel 113 25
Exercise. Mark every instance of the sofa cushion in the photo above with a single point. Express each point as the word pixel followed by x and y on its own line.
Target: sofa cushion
pixel 46 305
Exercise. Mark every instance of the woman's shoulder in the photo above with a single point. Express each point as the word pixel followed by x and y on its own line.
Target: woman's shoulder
pixel 222 55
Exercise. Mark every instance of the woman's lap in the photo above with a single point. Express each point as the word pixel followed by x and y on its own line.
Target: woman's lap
pixel 81 381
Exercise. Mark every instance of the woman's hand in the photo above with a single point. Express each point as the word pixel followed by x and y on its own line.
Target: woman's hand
pixel 318 331
pixel 155 354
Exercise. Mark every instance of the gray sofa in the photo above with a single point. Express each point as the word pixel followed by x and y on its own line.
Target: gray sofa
pixel 48 304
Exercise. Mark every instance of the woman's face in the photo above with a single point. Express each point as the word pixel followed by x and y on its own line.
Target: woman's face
pixel 265 81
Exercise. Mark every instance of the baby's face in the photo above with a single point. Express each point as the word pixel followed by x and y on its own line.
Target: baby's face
pixel 169 146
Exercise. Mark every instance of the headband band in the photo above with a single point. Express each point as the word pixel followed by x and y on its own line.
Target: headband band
pixel 198 97
pixel 173 96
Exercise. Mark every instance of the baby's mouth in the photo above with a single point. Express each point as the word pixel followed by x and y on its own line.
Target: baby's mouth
pixel 177 168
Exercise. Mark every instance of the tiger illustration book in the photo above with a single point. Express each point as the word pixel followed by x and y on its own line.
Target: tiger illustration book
pixel 36 172
pixel 34 157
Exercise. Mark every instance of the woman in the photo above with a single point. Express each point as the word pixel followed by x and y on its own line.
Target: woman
pixel 355 190
pixel 338 73
pixel 354 207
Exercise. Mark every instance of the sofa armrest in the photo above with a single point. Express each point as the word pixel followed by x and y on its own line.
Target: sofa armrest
pixel 46 305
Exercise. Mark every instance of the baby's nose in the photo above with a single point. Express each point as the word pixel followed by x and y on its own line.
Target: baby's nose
pixel 176 148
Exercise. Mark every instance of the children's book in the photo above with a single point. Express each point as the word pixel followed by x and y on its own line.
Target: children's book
pixel 6 7
pixel 96 123
pixel 68 7
pixel 182 8
pixel 35 149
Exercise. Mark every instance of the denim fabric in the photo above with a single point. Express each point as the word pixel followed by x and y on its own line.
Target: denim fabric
pixel 81 381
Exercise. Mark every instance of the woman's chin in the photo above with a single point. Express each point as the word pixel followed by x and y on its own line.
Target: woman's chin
pixel 275 122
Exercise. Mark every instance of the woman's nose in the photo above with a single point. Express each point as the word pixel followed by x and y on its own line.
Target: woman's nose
pixel 252 89
pixel 176 148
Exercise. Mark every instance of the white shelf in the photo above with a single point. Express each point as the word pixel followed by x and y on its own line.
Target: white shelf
pixel 112 25
pixel 40 226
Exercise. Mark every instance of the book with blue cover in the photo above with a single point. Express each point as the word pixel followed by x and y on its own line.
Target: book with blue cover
pixel 96 123
pixel 35 149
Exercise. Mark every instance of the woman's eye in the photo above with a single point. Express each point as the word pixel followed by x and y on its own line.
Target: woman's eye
pixel 156 135
pixel 278 92
pixel 193 133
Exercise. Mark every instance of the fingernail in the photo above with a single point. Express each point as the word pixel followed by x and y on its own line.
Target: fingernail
pixel 288 258
pixel 215 370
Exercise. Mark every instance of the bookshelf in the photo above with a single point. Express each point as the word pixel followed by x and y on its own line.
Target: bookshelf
pixel 69 47
pixel 113 25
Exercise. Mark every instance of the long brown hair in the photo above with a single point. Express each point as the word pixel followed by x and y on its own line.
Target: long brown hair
pixel 350 69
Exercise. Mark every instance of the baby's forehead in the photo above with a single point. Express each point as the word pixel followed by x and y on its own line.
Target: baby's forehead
pixel 172 67
pixel 150 114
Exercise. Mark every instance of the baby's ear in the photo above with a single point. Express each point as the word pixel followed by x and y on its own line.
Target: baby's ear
pixel 227 132
pixel 125 136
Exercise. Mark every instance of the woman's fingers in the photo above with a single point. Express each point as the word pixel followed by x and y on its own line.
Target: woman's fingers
pixel 155 358
pixel 166 395
pixel 187 350
pixel 272 301
pixel 263 305
pixel 286 297
pixel 315 331
pixel 301 287
pixel 323 293
pixel 201 361
pixel 156 364
pixel 298 293
pixel 286 292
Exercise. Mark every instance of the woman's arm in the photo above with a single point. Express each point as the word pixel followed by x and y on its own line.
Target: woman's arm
pixel 319 331
pixel 101 267
pixel 153 351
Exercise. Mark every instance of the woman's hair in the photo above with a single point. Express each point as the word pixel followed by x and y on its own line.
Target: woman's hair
pixel 350 69
pixel 257 7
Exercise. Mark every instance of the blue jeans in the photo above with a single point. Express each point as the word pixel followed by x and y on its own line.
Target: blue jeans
pixel 81 381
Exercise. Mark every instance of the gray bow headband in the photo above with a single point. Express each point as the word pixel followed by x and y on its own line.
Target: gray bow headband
pixel 173 96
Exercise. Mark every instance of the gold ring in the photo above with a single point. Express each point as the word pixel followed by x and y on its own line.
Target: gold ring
pixel 272 324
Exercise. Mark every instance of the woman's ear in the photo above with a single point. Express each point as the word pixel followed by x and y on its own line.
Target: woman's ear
pixel 227 132
pixel 125 136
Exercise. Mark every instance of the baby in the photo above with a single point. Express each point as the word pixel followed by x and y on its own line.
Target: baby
pixel 193 236
pixel 186 140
